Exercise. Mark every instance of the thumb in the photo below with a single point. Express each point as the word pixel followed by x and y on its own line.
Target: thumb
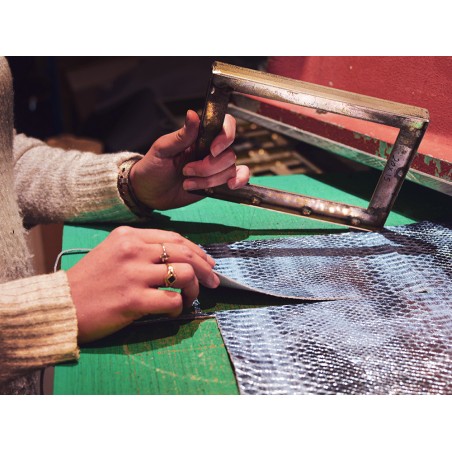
pixel 174 143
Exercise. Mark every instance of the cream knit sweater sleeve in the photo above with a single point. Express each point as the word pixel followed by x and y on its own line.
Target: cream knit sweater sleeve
pixel 38 324
pixel 55 185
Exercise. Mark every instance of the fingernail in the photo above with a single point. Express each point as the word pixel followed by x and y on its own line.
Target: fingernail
pixel 189 185
pixel 216 150
pixel 213 281
pixel 211 261
pixel 188 171
pixel 232 184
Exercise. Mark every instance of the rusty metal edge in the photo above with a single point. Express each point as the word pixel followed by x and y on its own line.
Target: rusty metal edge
pixel 335 147
pixel 226 79
pixel 318 96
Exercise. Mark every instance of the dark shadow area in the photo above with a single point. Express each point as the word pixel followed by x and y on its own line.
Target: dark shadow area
pixel 135 338
pixel 224 299
pixel 222 251
pixel 216 232
pixel 403 245
pixel 124 102
pixel 162 332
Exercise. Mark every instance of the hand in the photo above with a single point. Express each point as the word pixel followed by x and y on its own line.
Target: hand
pixel 117 282
pixel 158 179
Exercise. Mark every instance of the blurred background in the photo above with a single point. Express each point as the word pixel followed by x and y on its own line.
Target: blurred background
pixel 121 102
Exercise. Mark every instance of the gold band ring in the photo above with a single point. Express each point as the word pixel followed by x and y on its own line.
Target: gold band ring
pixel 164 256
pixel 170 278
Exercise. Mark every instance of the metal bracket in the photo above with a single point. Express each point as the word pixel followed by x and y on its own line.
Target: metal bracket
pixel 412 122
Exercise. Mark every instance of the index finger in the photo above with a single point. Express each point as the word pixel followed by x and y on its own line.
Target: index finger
pixel 225 138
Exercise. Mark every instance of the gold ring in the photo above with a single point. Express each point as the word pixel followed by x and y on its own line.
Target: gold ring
pixel 170 276
pixel 164 256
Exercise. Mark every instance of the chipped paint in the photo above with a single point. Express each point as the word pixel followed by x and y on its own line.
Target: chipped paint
pixel 361 136
pixel 428 160
pixel 417 125
pixel 384 149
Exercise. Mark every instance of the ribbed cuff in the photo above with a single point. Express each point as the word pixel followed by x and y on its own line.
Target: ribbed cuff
pixel 96 193
pixel 55 185
pixel 38 324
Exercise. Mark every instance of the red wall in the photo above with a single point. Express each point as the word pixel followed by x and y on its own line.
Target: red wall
pixel 421 81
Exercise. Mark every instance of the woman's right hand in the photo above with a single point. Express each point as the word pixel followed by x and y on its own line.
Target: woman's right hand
pixel 117 282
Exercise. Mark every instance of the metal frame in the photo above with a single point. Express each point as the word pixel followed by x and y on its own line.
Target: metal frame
pixel 336 147
pixel 412 122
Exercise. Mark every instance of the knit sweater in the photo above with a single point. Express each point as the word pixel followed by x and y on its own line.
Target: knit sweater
pixel 40 184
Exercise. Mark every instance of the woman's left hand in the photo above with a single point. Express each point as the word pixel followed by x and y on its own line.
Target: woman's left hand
pixel 158 179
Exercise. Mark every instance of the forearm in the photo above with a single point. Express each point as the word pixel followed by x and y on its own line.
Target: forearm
pixel 38 325
pixel 55 185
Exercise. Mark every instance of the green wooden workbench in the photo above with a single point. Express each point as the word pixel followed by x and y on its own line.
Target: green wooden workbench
pixel 189 357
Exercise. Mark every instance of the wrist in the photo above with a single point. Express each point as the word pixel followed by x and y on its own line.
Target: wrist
pixel 126 189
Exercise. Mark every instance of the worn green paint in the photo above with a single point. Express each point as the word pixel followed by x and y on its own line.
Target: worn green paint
pixel 189 357
pixel 362 136
pixel 418 124
pixel 384 149
pixel 428 160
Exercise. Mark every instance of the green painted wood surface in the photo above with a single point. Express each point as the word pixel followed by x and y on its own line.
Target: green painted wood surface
pixel 178 357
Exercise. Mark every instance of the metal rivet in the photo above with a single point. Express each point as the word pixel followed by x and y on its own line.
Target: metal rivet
pixel 306 211
pixel 355 222
pixel 400 173
pixel 255 200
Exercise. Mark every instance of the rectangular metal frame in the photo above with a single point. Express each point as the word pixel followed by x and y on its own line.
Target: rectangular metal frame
pixel 412 122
